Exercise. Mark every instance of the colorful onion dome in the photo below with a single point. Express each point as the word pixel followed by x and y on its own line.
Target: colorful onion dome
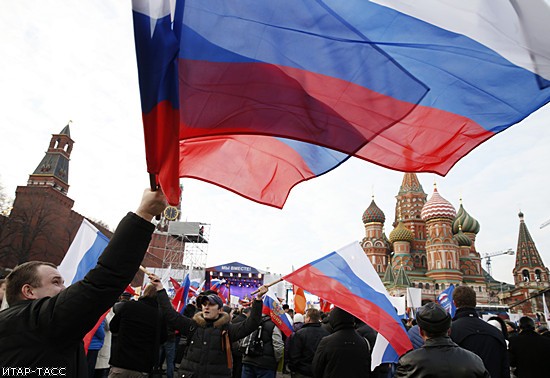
pixel 461 239
pixel 468 223
pixel 437 207
pixel 373 214
pixel 401 233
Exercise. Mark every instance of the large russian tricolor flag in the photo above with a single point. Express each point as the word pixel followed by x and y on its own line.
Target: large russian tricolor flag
pixel 347 279
pixel 412 86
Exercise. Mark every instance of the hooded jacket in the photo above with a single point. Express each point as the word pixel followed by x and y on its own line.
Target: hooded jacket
pixel 344 353
pixel 206 356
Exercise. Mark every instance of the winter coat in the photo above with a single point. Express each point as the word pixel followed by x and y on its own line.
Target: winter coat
pixel 140 329
pixel 345 353
pixel 273 347
pixel 48 332
pixel 473 334
pixel 303 345
pixel 529 354
pixel 206 357
pixel 440 357
pixel 414 335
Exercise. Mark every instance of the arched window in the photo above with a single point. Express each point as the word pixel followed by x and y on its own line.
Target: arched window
pixel 537 275
pixel 442 286
pixel 525 274
pixel 427 286
pixel 420 286
pixel 479 289
pixel 436 286
pixel 423 261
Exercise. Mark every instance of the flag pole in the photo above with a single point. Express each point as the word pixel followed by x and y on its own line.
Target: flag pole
pixel 154 187
pixel 267 285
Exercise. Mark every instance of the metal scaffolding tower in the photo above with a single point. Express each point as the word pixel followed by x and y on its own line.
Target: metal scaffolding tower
pixel 186 246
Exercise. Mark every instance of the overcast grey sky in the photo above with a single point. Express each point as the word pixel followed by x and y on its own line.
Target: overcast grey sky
pixel 74 60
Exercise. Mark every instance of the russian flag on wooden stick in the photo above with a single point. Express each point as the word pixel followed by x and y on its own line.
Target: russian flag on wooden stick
pixel 347 279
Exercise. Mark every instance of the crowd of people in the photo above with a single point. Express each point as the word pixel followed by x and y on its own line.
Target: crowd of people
pixel 42 331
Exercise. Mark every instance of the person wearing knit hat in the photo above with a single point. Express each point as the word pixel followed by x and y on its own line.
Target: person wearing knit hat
pixel 440 356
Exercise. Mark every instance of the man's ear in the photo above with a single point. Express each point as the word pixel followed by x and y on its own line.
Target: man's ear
pixel 422 334
pixel 27 291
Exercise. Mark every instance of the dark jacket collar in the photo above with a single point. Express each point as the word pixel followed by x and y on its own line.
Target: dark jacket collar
pixel 311 325
pixel 439 341
pixel 465 312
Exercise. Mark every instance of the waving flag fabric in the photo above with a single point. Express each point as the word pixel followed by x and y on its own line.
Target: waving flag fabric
pixel 273 308
pixel 445 299
pixel 402 84
pixel 195 83
pixel 300 303
pixel 81 257
pixel 348 280
pixel 175 284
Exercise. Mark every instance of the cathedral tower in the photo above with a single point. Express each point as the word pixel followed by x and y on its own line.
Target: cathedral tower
pixel 441 249
pixel 529 270
pixel 408 208
pixel 375 243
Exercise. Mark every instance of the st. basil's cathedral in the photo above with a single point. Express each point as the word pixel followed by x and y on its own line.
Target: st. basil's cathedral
pixel 432 246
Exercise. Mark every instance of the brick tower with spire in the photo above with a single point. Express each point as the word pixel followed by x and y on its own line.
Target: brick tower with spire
pixel 42 223
pixel 531 276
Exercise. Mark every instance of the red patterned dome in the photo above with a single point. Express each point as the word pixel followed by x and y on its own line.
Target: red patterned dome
pixel 373 214
pixel 437 207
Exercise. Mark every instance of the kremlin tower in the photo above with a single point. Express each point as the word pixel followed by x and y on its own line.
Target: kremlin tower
pixel 531 277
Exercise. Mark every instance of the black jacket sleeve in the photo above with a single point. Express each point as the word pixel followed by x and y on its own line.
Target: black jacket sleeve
pixel 239 330
pixel 173 318
pixel 75 310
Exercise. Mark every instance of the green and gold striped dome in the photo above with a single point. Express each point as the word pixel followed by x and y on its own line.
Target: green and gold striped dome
pixel 401 233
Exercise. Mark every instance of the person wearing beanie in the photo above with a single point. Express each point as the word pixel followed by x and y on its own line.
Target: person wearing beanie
pixel 440 356
pixel 344 353
pixel 471 332
pixel 529 351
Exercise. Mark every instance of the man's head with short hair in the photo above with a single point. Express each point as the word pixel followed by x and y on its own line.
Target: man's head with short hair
pixel 526 324
pixel 464 296
pixel 33 280
pixel 312 315
pixel 433 320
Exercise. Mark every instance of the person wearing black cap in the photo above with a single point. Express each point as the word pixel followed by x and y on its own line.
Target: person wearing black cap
pixel 209 333
pixel 440 356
